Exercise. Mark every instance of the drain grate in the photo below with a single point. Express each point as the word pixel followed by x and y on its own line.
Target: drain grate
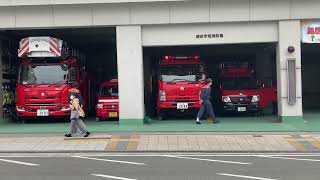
pixel 257 135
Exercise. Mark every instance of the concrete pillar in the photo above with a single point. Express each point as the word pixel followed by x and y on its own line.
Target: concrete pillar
pixel 289 35
pixel 130 74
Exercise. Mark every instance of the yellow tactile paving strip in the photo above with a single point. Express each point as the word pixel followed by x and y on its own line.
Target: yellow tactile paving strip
pixel 296 144
pixel 114 142
pixel 133 143
pixel 304 143
pixel 202 142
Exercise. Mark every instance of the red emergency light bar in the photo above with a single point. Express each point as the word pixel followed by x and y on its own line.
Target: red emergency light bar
pixel 171 58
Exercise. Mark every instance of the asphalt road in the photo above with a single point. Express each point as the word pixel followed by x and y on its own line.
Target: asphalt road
pixel 161 166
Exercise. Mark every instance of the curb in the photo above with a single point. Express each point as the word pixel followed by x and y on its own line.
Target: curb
pixel 62 151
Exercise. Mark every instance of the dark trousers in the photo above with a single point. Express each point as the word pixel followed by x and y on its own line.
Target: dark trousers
pixel 206 106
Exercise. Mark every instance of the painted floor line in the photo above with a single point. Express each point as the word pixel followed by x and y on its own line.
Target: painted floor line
pixel 246 177
pixel 19 162
pixel 288 158
pixel 210 160
pixel 111 177
pixel 110 160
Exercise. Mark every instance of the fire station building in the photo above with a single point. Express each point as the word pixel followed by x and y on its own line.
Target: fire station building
pixel 281 34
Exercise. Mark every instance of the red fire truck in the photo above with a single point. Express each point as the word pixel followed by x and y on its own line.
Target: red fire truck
pixel 240 91
pixel 46 73
pixel 180 80
pixel 108 101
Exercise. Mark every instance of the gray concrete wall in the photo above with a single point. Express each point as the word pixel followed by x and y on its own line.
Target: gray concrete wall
pixel 130 74
pixel 59 13
pixel 59 2
pixel 233 33
pixel 289 35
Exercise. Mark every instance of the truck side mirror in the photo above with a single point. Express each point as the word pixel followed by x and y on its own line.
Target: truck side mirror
pixel 261 85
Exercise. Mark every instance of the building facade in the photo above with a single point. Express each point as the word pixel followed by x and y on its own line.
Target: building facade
pixel 152 23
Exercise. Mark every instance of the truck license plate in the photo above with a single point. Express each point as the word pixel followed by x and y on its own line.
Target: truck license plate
pixel 113 114
pixel 42 112
pixel 182 106
pixel 242 109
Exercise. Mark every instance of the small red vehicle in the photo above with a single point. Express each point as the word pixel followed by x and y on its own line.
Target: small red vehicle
pixel 240 91
pixel 46 73
pixel 180 80
pixel 108 101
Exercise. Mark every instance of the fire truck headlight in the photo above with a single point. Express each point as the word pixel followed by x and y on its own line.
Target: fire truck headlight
pixel 20 108
pixel 162 95
pixel 226 99
pixel 99 106
pixel 255 99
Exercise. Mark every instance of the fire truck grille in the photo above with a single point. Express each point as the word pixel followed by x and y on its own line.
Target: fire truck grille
pixel 241 99
pixel 42 104
pixel 52 97
pixel 111 107
pixel 183 99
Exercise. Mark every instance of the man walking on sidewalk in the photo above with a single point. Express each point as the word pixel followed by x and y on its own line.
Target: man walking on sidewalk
pixel 206 104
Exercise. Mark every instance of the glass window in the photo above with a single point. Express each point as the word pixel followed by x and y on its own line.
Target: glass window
pixel 109 91
pixel 178 73
pixel 73 73
pixel 43 74
pixel 239 83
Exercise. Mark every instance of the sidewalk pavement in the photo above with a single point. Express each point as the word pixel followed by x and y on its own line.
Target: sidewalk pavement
pixel 161 142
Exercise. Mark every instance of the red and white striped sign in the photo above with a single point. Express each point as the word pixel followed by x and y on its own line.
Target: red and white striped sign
pixel 54 46
pixel 24 47
pixel 39 44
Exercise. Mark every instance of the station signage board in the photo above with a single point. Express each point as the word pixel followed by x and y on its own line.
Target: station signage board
pixel 310 31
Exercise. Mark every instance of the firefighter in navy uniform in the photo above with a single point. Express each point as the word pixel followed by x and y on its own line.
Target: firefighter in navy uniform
pixel 206 104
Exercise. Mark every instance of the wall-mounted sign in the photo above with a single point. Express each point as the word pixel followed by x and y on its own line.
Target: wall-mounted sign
pixel 310 32
pixel 205 36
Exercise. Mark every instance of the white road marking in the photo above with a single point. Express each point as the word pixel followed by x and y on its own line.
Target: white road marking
pixel 111 177
pixel 19 162
pixel 199 154
pixel 110 160
pixel 242 176
pixel 14 155
pixel 210 160
pixel 297 159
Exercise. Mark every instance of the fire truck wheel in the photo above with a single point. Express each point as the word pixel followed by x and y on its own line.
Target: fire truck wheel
pixel 17 119
pixel 66 119
pixel 258 113
pixel 97 119
pixel 22 120
pixel 222 113
pixel 161 116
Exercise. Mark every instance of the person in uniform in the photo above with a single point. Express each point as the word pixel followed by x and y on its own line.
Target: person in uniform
pixel 206 104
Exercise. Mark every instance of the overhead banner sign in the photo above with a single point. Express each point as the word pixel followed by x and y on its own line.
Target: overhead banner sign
pixel 311 32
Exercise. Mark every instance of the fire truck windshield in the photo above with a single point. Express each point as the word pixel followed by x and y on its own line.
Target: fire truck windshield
pixel 239 83
pixel 109 91
pixel 181 73
pixel 43 74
